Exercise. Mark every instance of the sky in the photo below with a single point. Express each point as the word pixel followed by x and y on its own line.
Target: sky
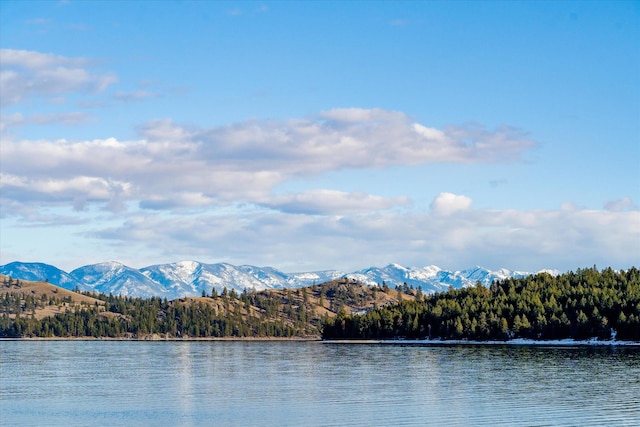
pixel 321 135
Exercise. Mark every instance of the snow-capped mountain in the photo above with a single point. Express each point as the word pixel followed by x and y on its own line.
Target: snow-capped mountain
pixel 118 279
pixel 431 278
pixel 296 280
pixel 39 272
pixel 192 278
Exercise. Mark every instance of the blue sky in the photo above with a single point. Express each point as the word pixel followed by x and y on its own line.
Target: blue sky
pixel 320 135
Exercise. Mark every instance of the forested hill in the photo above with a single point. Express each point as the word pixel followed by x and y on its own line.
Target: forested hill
pixel 580 305
pixel 38 309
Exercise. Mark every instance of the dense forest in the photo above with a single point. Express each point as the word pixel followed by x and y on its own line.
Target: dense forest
pixel 28 311
pixel 579 305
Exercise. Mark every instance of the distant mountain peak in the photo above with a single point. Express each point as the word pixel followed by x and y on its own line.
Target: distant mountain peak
pixel 396 266
pixel 191 278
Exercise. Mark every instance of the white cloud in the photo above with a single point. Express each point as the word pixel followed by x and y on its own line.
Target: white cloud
pixel 429 133
pixel 76 191
pixel 448 203
pixel 26 73
pixel 357 138
pixel 243 162
pixel 35 60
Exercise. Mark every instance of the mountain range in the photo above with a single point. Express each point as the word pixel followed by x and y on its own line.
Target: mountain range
pixel 192 278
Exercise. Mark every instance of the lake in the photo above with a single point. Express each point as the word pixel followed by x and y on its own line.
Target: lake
pixel 236 383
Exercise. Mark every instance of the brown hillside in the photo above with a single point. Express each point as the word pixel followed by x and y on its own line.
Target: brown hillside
pixel 297 312
pixel 42 299
pixel 300 306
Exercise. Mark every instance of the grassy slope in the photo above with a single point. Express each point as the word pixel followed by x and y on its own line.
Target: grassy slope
pixel 68 299
pixel 337 294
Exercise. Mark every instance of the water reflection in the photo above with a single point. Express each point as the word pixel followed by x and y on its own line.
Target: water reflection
pixel 184 376
pixel 315 384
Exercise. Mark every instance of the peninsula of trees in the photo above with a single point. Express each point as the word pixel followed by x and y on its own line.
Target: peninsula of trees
pixel 580 305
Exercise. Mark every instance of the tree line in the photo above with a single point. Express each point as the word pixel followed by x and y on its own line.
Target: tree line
pixel 136 317
pixel 579 305
pixel 275 313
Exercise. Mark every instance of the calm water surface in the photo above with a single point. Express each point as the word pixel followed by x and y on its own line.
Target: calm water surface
pixel 82 383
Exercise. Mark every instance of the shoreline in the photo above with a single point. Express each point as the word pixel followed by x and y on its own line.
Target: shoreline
pixel 160 339
pixel 418 342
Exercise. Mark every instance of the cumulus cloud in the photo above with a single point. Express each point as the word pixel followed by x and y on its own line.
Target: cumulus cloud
pixel 448 203
pixel 243 162
pixel 26 73
pixel 358 138
pixel 76 191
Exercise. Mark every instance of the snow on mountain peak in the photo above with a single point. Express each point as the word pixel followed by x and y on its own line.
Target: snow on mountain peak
pixel 186 268
pixel 396 266
pixel 191 278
